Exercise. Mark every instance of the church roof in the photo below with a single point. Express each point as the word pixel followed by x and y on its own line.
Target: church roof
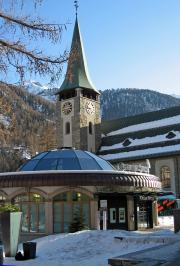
pixel 77 75
pixel 149 135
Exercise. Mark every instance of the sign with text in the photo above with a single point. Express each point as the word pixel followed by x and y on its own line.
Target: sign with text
pixel 103 203
pixel 122 215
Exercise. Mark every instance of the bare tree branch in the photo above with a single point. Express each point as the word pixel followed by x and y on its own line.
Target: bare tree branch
pixel 30 24
pixel 16 46
pixel 22 49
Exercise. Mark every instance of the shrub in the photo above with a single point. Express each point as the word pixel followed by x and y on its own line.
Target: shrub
pixel 9 207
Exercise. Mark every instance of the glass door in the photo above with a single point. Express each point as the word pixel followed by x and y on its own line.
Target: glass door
pixel 144 215
pixel 141 216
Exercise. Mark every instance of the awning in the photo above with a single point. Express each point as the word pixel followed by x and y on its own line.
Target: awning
pixel 165 197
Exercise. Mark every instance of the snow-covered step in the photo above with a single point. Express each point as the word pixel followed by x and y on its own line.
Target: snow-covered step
pixel 147 239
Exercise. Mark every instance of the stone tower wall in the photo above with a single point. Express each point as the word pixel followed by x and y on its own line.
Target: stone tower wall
pixel 79 119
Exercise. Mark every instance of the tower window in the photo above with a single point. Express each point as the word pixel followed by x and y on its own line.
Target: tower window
pixel 90 95
pixel 90 128
pixel 67 95
pixel 67 128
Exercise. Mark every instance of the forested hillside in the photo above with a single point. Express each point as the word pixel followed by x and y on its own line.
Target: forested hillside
pixel 26 125
pixel 116 103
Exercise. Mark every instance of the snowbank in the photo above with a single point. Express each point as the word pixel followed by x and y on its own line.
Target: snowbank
pixel 166 220
pixel 89 248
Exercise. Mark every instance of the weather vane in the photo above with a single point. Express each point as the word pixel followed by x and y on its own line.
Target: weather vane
pixel 76 6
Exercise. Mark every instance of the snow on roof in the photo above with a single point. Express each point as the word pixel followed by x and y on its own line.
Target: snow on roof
pixel 142 141
pixel 148 125
pixel 138 153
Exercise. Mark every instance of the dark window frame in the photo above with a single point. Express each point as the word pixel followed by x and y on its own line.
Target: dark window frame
pixel 90 128
pixel 67 128
pixel 29 202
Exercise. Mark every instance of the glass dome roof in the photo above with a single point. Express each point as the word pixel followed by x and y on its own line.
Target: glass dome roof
pixel 66 159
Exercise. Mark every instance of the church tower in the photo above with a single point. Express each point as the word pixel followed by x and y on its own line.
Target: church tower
pixel 78 103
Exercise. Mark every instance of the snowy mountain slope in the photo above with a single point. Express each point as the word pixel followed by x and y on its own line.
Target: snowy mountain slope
pixel 176 96
pixel 116 103
pixel 34 87
pixel 39 89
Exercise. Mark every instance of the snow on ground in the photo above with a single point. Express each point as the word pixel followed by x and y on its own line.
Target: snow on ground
pixel 166 220
pixel 92 248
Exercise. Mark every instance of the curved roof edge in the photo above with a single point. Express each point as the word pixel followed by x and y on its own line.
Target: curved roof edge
pixel 80 178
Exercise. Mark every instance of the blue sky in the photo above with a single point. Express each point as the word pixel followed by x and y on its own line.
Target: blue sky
pixel 128 43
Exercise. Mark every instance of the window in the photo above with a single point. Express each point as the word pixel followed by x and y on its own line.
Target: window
pixel 33 212
pixel 165 177
pixel 67 206
pixel 67 128
pixel 90 128
pixel 89 95
pixel 47 164
pixel 170 135
pixel 127 142
pixel 64 96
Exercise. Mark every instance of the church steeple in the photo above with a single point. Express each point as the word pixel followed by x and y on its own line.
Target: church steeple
pixel 78 102
pixel 77 75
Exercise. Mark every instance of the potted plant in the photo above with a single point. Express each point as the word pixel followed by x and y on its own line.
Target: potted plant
pixel 10 217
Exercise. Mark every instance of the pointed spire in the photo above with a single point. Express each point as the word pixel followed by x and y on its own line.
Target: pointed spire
pixel 76 6
pixel 77 72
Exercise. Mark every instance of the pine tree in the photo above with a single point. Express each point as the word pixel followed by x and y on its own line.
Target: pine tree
pixel 77 223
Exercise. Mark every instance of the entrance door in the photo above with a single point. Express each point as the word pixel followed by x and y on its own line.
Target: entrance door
pixel 117 213
pixel 117 217
pixel 144 214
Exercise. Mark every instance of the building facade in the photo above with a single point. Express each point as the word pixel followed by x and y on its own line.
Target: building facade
pixel 154 136
pixel 54 186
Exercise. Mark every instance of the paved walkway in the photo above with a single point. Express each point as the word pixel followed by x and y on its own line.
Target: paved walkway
pixel 175 261
pixel 166 255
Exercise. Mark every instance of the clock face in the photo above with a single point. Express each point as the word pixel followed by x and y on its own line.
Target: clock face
pixel 90 108
pixel 67 108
